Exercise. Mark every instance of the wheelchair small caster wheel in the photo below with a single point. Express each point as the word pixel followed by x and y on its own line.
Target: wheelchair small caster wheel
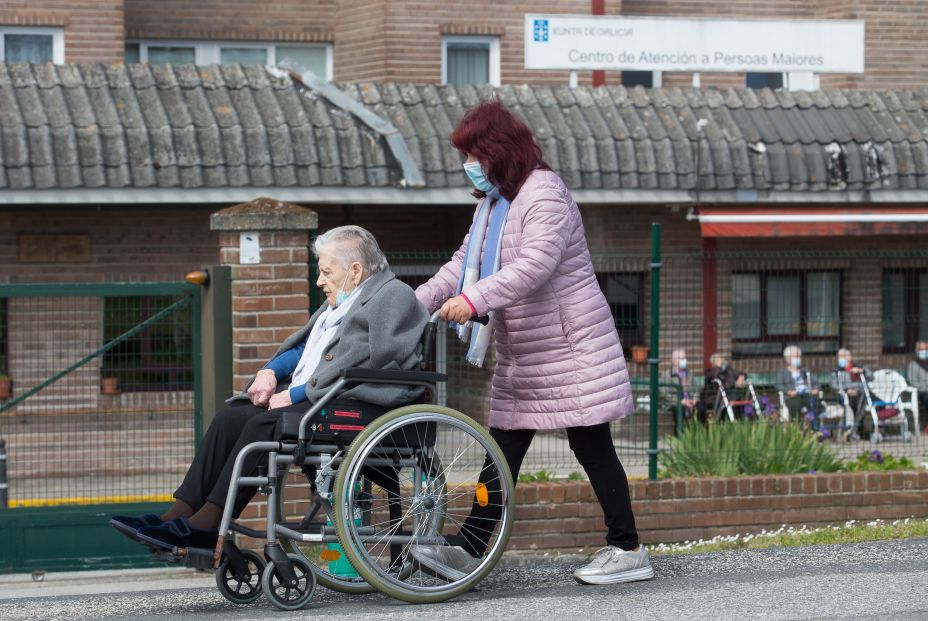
pixel 876 437
pixel 289 597
pixel 240 588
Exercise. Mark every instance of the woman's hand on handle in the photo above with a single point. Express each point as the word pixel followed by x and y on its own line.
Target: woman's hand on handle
pixel 457 309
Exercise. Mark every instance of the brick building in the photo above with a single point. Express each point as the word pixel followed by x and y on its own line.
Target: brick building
pixel 132 161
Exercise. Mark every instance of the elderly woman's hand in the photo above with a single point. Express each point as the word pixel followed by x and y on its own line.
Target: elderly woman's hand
pixel 457 309
pixel 262 389
pixel 280 400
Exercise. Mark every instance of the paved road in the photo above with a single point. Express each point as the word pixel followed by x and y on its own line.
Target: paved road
pixel 884 580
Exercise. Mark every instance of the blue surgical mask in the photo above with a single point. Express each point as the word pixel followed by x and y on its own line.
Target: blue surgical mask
pixel 341 295
pixel 842 363
pixel 682 363
pixel 479 178
pixel 923 354
pixel 796 362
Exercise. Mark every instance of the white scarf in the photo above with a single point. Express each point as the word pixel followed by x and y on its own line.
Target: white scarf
pixel 320 336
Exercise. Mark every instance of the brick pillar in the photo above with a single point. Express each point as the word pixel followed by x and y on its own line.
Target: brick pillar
pixel 270 280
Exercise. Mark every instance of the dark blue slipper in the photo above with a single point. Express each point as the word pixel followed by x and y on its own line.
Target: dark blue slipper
pixel 129 526
pixel 178 533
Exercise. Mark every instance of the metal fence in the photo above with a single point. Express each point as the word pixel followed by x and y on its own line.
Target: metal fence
pixel 747 304
pixel 104 406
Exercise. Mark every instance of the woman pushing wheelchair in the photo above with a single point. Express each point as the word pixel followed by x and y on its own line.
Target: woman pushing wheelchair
pixel 559 363
pixel 370 320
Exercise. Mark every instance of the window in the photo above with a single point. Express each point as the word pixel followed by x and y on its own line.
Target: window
pixel 764 80
pixel 771 310
pixel 905 309
pixel 34 45
pixel 647 79
pixel 470 60
pixel 160 356
pixel 315 57
pixel 624 293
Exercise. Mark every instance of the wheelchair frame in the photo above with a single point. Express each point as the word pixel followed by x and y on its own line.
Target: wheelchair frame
pixel 291 571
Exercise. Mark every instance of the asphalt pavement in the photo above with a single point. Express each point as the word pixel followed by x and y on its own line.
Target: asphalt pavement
pixel 879 580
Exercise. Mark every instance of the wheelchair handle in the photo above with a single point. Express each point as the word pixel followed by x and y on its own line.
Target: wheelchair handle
pixel 483 319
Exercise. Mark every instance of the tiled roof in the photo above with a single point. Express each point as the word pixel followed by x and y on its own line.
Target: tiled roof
pixel 181 126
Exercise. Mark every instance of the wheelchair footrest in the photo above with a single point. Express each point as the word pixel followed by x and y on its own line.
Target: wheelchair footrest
pixel 198 558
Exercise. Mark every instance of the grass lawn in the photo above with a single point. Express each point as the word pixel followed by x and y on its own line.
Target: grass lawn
pixel 849 532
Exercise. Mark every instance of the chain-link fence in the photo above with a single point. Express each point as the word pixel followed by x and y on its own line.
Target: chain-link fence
pixel 866 309
pixel 100 405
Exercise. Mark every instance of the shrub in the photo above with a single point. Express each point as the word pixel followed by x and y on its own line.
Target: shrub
pixel 745 448
pixel 877 460
pixel 538 477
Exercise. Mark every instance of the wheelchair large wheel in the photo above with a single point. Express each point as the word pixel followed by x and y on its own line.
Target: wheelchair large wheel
pixel 330 568
pixel 440 464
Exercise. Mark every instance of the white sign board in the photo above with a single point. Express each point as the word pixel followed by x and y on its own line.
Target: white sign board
pixel 674 44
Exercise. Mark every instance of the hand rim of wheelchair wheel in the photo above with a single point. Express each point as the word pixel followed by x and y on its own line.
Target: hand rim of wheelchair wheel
pixel 222 580
pixel 380 429
pixel 269 575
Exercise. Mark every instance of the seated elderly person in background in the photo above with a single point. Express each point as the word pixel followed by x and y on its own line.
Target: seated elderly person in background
pixel 730 378
pixel 795 382
pixel 678 373
pixel 846 378
pixel 369 319
pixel 916 374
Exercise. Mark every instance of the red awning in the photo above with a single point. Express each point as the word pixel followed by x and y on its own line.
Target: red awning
pixel 811 221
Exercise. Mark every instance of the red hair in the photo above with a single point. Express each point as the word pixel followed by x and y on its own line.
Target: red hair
pixel 503 145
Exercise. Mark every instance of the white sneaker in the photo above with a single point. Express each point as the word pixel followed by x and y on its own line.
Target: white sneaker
pixel 449 562
pixel 611 565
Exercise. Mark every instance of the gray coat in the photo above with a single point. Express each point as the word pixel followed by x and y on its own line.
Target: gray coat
pixel 916 375
pixel 841 379
pixel 785 381
pixel 382 330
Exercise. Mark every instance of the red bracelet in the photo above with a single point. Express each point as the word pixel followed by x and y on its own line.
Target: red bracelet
pixel 472 309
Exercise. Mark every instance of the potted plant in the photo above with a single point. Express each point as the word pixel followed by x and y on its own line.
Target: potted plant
pixel 639 354
pixel 6 387
pixel 109 385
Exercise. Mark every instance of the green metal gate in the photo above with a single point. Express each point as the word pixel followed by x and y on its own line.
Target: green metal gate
pixel 102 419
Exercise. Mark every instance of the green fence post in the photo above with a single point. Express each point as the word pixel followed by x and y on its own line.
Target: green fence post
pixel 653 353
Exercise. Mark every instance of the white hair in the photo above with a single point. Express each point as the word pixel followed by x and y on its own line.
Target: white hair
pixel 790 351
pixel 844 352
pixel 363 248
pixel 716 359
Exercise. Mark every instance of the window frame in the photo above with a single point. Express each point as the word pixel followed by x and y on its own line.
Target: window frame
pixel 793 338
pixel 601 279
pixel 57 35
pixel 657 78
pixel 209 52
pixel 492 41
pixel 784 79
pixel 910 307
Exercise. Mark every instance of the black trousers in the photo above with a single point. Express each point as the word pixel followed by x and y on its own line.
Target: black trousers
pixel 594 450
pixel 210 474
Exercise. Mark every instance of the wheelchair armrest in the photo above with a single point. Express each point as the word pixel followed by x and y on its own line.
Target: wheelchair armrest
pixel 393 376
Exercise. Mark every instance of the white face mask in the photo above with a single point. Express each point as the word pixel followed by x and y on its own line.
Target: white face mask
pixel 923 354
pixel 682 363
pixel 796 362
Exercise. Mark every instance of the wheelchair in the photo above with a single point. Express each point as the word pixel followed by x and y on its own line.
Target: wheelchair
pixel 352 488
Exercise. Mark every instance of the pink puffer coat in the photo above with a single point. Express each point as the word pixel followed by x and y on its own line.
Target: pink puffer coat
pixel 559 361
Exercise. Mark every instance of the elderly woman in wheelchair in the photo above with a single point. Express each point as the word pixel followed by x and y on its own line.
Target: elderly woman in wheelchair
pixel 331 385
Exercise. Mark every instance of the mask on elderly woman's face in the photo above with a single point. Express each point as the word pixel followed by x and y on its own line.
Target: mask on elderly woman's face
pixel 923 354
pixel 341 295
pixel 796 362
